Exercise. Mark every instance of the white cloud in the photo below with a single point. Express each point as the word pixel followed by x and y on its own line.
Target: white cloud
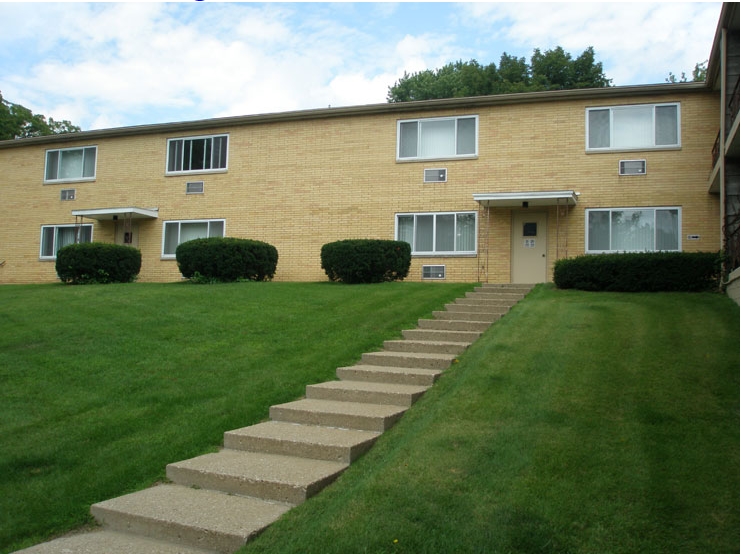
pixel 102 65
pixel 637 43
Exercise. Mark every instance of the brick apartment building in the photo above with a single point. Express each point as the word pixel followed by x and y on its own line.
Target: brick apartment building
pixel 490 189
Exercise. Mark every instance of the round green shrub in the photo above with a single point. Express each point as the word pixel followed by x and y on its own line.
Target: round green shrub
pixel 98 262
pixel 226 259
pixel 366 260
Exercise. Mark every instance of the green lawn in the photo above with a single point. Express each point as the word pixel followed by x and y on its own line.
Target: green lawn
pixel 580 423
pixel 102 386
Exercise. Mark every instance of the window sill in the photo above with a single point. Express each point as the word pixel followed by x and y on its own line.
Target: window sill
pixel 67 181
pixel 642 149
pixel 195 172
pixel 428 160
pixel 445 255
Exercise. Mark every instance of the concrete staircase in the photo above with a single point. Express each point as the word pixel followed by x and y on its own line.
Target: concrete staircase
pixel 217 502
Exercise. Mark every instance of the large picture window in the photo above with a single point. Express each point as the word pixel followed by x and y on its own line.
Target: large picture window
pixel 54 237
pixel 177 232
pixel 640 127
pixel 633 230
pixel 70 164
pixel 435 138
pixel 197 154
pixel 438 233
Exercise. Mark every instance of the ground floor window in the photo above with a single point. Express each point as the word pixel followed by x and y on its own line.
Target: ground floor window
pixel 54 237
pixel 438 233
pixel 177 232
pixel 633 230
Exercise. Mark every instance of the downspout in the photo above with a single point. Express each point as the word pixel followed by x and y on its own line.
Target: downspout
pixel 722 145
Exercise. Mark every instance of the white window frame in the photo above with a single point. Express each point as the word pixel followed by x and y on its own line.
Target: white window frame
pixel 180 223
pixel 652 146
pixel 180 163
pixel 55 238
pixel 428 273
pixel 60 154
pixel 631 208
pixel 435 251
pixel 421 121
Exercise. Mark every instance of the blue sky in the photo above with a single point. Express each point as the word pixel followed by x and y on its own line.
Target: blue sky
pixel 106 64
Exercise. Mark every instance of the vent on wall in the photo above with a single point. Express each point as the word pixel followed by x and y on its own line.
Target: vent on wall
pixel 67 194
pixel 632 167
pixel 433 272
pixel 194 187
pixel 436 175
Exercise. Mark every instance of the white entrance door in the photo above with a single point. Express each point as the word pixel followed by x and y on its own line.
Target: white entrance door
pixel 529 247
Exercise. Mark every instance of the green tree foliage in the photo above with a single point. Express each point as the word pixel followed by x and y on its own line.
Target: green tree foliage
pixel 699 74
pixel 18 122
pixel 550 70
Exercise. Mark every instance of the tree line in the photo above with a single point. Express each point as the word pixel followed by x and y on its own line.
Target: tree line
pixel 550 70
pixel 18 122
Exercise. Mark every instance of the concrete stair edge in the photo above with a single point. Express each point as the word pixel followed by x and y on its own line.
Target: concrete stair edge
pixel 217 502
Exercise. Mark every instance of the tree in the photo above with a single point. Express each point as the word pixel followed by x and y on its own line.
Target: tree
pixel 18 122
pixel 549 70
pixel 699 74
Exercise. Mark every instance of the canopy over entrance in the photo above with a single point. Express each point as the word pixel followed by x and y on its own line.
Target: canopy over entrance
pixel 112 214
pixel 527 199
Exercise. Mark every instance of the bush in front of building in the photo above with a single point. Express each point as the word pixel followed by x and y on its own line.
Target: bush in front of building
pixel 366 260
pixel 98 262
pixel 226 259
pixel 640 272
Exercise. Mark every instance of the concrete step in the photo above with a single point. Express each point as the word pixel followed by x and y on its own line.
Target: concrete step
pixel 485 300
pixel 408 359
pixel 425 346
pixel 494 293
pixel 507 287
pixel 453 325
pixel 467 316
pixel 347 415
pixel 307 441
pixel 462 337
pixel 479 307
pixel 363 391
pixel 110 542
pixel 275 477
pixel 386 374
pixel 199 518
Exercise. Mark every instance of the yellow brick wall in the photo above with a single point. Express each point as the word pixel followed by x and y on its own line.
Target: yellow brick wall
pixel 301 184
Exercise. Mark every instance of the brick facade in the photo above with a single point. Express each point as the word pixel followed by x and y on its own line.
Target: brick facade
pixel 304 179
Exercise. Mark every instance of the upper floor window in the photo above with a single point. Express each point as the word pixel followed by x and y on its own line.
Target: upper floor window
pixel 197 154
pixel 637 127
pixel 440 137
pixel 438 233
pixel 70 164
pixel 54 237
pixel 177 232
pixel 633 230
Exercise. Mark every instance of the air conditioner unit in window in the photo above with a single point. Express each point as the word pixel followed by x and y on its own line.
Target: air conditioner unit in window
pixel 67 194
pixel 632 167
pixel 194 187
pixel 433 272
pixel 436 175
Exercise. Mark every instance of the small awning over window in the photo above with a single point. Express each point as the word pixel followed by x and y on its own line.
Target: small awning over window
pixel 109 214
pixel 527 199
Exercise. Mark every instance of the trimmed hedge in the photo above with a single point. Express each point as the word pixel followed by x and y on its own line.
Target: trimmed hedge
pixel 640 272
pixel 98 262
pixel 226 259
pixel 366 260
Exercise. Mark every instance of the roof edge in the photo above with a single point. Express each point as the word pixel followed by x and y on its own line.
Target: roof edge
pixel 361 110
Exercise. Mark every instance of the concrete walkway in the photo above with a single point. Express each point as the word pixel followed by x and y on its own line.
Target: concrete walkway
pixel 217 502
